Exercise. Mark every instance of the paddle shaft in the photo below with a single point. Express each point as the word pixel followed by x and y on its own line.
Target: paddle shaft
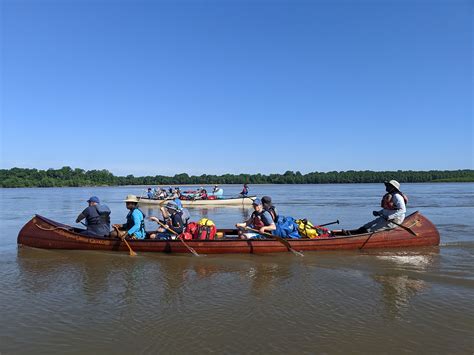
pixel 194 252
pixel 280 239
pixel 132 253
pixel 327 224
pixel 408 229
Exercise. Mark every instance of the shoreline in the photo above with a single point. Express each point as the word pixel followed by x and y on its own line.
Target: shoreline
pixel 251 184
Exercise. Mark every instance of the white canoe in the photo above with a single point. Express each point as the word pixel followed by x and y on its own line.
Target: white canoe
pixel 233 201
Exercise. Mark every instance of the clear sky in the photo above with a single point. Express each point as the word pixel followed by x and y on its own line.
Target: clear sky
pixel 164 87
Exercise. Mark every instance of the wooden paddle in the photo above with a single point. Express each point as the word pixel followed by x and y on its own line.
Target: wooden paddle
pixel 408 229
pixel 181 239
pixel 122 236
pixel 280 239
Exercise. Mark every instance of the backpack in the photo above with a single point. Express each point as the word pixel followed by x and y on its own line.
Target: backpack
pixel 286 227
pixel 191 229
pixel 206 229
pixel 185 236
pixel 306 229
pixel 323 232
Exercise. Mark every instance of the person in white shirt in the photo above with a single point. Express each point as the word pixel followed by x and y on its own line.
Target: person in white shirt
pixel 393 209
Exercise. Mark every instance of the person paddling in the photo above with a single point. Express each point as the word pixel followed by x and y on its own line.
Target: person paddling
pixel 97 218
pixel 135 225
pixel 393 209
pixel 172 218
pixel 260 220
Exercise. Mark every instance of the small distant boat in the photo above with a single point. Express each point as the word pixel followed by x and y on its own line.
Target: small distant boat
pixel 232 201
pixel 41 232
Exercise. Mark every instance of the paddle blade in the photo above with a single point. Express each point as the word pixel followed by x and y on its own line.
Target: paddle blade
pixel 297 252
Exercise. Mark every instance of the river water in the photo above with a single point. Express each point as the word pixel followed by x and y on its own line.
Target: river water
pixel 390 301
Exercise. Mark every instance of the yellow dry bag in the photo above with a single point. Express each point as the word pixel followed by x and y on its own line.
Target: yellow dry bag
pixel 306 229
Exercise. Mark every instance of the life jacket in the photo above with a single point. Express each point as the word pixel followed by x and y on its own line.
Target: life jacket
pixel 257 221
pixel 306 228
pixel 98 220
pixel 272 212
pixel 130 222
pixel 387 203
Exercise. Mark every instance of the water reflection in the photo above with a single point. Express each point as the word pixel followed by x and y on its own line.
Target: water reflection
pixel 403 280
pixel 397 291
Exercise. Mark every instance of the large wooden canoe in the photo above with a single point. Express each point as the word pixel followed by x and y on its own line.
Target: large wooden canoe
pixel 233 201
pixel 41 232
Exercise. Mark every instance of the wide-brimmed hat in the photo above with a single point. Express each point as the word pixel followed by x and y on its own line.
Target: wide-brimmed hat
pixel 393 183
pixel 172 206
pixel 131 198
pixel 266 200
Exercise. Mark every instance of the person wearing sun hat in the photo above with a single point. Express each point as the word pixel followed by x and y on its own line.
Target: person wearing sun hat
pixel 97 218
pixel 393 209
pixel 172 218
pixel 260 220
pixel 135 225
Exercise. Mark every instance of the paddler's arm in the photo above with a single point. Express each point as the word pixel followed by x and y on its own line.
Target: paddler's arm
pixel 80 217
pixel 269 228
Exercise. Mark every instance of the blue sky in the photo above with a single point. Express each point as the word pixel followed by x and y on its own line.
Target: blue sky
pixel 164 87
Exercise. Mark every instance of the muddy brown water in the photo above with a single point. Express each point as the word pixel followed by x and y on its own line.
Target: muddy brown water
pixel 383 301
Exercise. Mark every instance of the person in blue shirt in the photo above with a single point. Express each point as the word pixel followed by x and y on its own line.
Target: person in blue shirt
pixel 150 193
pixel 135 225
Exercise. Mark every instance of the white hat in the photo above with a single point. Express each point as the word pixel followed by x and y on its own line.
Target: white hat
pixel 131 198
pixel 394 183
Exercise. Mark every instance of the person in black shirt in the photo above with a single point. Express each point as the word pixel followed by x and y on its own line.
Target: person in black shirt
pixel 172 218
pixel 97 218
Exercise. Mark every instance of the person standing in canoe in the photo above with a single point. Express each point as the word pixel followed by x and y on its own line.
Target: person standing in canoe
pixel 97 218
pixel 260 220
pixel 245 191
pixel 135 225
pixel 393 209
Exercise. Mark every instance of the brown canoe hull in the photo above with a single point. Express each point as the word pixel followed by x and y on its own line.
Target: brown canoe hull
pixel 41 232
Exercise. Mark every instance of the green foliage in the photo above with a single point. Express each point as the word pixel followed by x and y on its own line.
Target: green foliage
pixel 17 177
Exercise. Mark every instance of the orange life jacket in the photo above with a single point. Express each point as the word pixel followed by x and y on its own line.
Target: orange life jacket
pixel 387 203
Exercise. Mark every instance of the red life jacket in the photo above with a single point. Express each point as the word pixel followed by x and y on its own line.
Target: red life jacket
pixel 257 220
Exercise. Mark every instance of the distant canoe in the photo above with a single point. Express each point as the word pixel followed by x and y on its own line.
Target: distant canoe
pixel 233 201
pixel 41 232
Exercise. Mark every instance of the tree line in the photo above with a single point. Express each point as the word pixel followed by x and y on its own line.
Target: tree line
pixel 66 176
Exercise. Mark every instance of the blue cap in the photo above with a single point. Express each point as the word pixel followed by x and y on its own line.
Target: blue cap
pixel 94 199
pixel 256 202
